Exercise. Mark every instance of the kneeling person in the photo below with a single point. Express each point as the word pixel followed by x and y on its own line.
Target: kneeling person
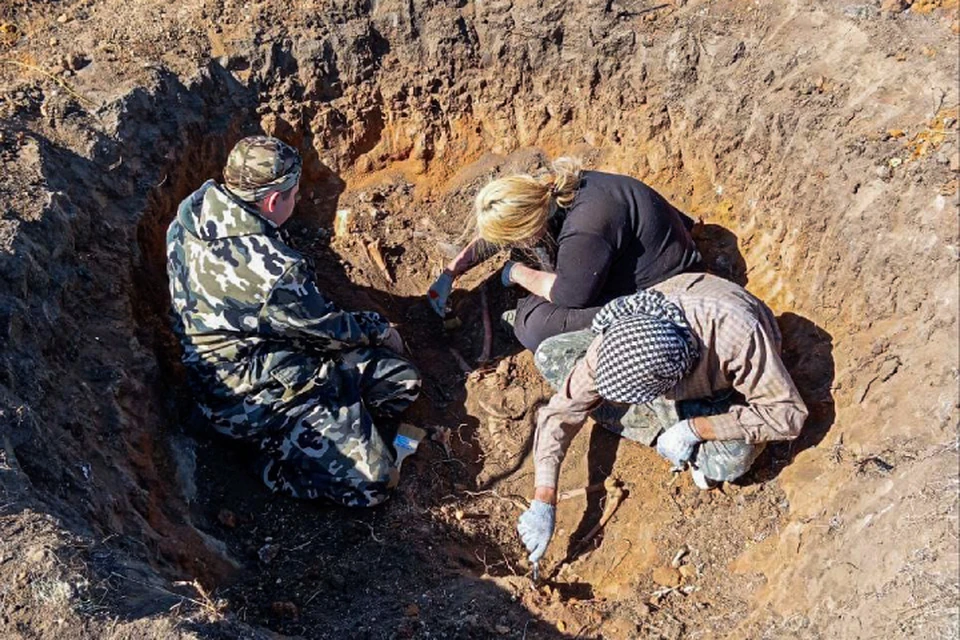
pixel 692 363
pixel 272 361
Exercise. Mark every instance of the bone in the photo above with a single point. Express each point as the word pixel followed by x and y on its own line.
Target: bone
pixel 615 495
pixel 376 256
pixel 580 491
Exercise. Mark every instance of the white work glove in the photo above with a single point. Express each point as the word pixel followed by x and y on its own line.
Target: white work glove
pixel 678 443
pixel 438 293
pixel 505 274
pixel 392 340
pixel 536 526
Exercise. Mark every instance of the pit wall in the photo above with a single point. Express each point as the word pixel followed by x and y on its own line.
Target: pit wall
pixel 88 410
pixel 839 184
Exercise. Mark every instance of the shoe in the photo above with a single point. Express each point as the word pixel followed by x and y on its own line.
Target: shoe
pixel 703 481
pixel 508 319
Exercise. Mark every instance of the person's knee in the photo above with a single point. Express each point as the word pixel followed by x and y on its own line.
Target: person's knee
pixel 390 374
pixel 530 324
pixel 551 362
pixel 529 335
pixel 725 461
pixel 337 466
pixel 557 355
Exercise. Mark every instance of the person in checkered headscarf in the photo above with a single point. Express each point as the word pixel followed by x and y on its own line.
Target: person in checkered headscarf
pixel 691 365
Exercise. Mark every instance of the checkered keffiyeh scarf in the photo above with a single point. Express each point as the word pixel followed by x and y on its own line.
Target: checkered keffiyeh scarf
pixel 647 347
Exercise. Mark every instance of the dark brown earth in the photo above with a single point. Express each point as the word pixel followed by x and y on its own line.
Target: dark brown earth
pixel 817 143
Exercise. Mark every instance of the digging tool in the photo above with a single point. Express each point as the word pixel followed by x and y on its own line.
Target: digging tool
pixel 675 471
pixel 406 443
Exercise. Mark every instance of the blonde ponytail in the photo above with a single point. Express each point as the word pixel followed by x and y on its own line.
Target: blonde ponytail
pixel 566 180
pixel 515 209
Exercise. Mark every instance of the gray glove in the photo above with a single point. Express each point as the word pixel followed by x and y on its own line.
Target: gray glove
pixel 536 526
pixel 505 274
pixel 678 443
pixel 438 293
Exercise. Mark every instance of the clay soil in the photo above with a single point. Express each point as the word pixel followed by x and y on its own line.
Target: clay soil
pixel 816 143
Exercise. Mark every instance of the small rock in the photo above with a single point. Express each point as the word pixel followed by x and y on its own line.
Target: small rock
pixel 54 42
pixel 955 161
pixel 884 172
pixel 620 628
pixel 268 553
pixel 688 571
pixel 285 609
pixel 412 610
pixel 893 6
pixel 63 19
pixel 666 577
pixel 364 164
pixel 227 518
pixel 76 61
pixel 501 629
pixel 561 626
pixel 642 610
pixel 679 555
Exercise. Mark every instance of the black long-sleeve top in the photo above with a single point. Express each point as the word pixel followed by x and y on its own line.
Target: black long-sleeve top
pixel 618 236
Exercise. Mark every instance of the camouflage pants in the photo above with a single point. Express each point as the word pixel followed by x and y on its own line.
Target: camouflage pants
pixel 326 444
pixel 724 460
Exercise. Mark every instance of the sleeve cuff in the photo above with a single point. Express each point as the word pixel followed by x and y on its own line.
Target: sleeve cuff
pixel 546 476
pixel 726 427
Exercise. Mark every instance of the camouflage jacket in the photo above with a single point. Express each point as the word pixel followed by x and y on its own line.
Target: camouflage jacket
pixel 255 329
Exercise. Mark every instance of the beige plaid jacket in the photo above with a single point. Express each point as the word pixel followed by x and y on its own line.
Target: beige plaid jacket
pixel 740 349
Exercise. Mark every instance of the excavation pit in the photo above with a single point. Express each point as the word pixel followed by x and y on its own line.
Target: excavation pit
pixel 825 189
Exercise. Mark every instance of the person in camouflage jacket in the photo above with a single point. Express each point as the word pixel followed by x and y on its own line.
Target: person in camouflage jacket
pixel 272 361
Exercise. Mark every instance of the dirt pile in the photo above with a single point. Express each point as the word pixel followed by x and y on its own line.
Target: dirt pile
pixel 817 143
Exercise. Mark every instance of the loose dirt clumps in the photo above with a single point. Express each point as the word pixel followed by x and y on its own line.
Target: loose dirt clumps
pixel 817 144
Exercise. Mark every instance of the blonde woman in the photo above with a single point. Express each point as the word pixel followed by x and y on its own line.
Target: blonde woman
pixel 613 235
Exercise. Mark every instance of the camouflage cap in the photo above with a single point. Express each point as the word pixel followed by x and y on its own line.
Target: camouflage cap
pixel 258 165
